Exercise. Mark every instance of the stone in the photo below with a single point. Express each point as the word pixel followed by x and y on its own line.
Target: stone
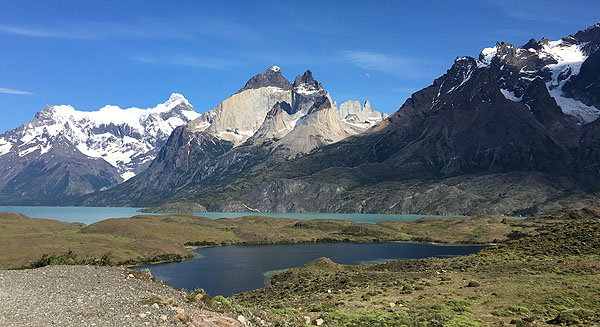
pixel 306 319
pixel 392 304
pixel 319 321
pixel 241 319
pixel 180 316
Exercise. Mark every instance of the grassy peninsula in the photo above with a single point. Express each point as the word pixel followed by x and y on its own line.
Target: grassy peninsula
pixel 551 278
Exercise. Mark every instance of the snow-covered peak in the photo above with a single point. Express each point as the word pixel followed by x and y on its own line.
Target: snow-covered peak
pixel 553 61
pixel 176 99
pixel 128 139
pixel 363 117
pixel 275 69
pixel 486 56
pixel 306 84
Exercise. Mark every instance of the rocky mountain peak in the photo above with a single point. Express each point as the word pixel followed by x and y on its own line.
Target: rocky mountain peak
pixel 589 38
pixel 558 63
pixel 280 107
pixel 306 90
pixel 306 83
pixel 535 44
pixel 178 99
pixel 271 77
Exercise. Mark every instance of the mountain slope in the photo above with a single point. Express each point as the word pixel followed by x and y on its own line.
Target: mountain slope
pixel 503 133
pixel 267 122
pixel 63 152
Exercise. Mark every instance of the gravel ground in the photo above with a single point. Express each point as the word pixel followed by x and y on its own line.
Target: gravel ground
pixel 95 296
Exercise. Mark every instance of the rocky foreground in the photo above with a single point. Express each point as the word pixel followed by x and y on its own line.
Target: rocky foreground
pixel 98 296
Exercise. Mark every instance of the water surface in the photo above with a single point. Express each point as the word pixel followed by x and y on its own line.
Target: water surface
pixel 228 270
pixel 86 215
pixel 89 215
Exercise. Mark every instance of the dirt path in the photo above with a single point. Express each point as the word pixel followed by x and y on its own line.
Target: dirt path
pixel 96 296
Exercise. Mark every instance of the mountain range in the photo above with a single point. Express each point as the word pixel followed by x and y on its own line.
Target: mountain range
pixel 513 131
pixel 63 153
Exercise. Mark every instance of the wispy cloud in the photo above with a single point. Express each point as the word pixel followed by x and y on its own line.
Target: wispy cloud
pixel 188 60
pixel 33 31
pixel 13 91
pixel 80 30
pixel 190 28
pixel 557 11
pixel 376 61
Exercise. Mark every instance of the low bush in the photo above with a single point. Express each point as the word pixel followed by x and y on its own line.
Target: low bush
pixel 70 258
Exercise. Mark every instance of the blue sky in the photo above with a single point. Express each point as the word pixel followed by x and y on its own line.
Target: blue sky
pixel 136 53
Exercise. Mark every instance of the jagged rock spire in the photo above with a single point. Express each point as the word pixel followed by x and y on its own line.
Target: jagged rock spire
pixel 271 77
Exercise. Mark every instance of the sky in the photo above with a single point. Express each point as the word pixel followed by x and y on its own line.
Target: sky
pixel 136 53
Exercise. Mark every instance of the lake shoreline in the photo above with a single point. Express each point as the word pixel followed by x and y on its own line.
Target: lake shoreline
pixel 227 270
pixel 146 239
pixel 89 215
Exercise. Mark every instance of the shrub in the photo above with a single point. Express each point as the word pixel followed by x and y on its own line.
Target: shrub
pixel 158 300
pixel 70 258
pixel 572 317
pixel 473 283
pixel 459 305
pixel 195 295
pixel 222 300
pixel 285 311
pixel 200 243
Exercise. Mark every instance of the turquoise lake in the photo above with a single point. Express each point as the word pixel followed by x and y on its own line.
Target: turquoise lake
pixel 90 215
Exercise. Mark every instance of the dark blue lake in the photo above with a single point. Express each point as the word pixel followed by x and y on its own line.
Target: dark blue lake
pixel 228 270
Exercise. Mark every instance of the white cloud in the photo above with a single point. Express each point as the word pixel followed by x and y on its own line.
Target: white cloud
pixel 187 28
pixel 12 91
pixel 558 11
pixel 79 31
pixel 376 61
pixel 186 60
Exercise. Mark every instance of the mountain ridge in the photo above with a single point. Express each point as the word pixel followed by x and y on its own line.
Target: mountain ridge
pixel 65 153
pixel 495 134
pixel 293 123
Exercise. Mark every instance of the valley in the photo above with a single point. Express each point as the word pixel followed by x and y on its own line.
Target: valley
pixel 542 271
pixel 400 168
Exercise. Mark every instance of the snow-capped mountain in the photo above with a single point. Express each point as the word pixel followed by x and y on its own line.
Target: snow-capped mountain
pixel 514 130
pixel 269 106
pixel 351 112
pixel 268 121
pixel 557 63
pixel 115 143
pixel 238 117
pixel 128 139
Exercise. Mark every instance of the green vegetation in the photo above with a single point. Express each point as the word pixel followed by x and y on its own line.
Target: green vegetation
pixel 70 258
pixel 154 299
pixel 200 243
pixel 148 239
pixel 551 277
pixel 545 271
